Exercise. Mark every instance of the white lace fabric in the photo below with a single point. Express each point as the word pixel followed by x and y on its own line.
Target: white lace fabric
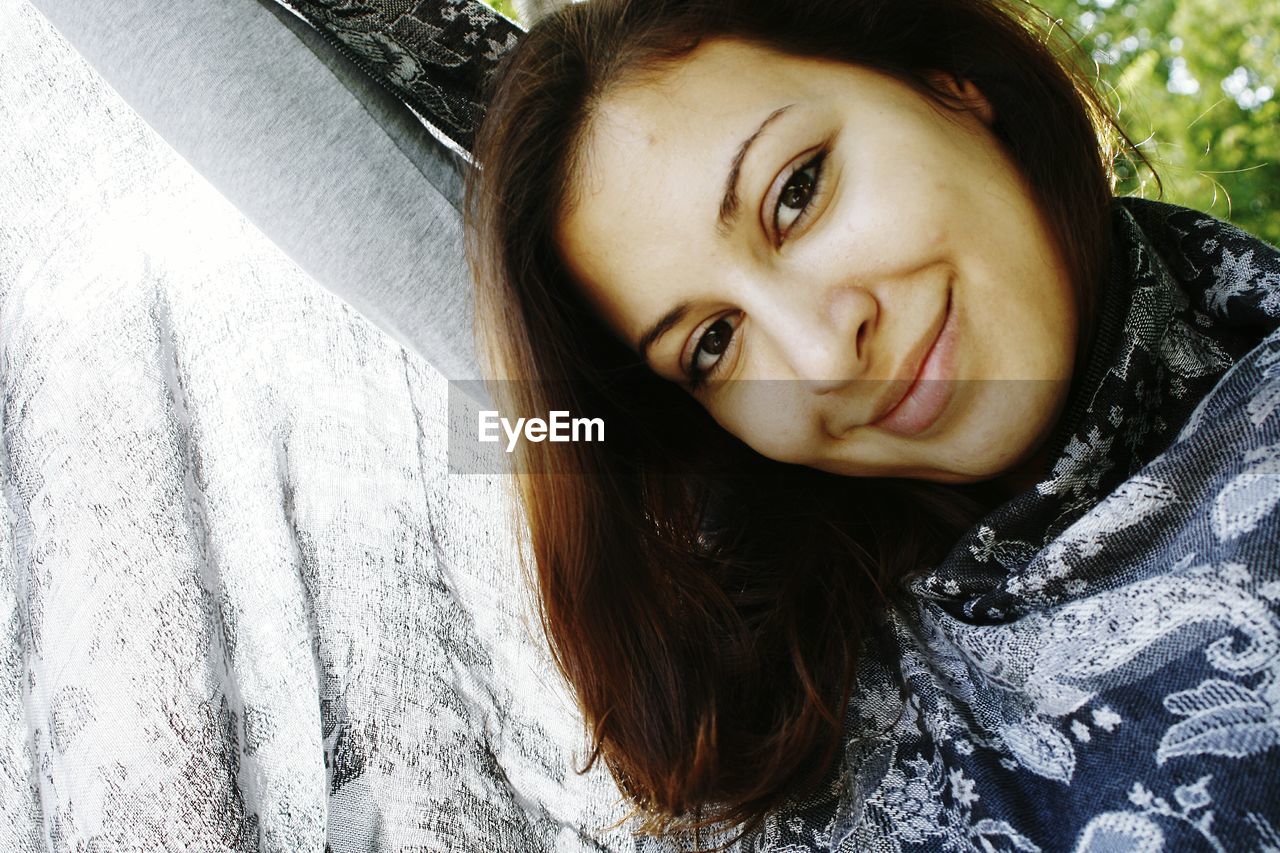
pixel 243 603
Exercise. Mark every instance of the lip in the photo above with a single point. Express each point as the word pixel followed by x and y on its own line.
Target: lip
pixel 929 393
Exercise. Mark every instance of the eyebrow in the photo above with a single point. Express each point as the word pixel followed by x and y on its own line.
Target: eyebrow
pixel 660 328
pixel 730 204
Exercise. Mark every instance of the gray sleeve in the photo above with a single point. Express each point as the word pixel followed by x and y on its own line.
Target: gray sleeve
pixel 335 170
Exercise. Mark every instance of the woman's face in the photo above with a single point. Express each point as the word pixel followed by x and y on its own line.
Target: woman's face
pixel 795 241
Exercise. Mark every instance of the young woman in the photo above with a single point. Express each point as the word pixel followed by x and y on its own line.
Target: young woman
pixel 936 508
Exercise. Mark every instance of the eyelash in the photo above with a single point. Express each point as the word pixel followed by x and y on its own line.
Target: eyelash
pixel 816 163
pixel 698 378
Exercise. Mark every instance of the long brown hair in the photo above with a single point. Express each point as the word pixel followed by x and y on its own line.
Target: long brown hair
pixel 707 604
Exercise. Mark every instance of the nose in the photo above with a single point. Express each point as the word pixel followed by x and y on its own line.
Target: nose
pixel 824 341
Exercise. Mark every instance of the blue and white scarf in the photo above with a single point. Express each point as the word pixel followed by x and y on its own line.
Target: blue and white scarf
pixel 1095 666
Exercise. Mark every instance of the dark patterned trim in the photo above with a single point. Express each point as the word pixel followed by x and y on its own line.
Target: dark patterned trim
pixel 435 55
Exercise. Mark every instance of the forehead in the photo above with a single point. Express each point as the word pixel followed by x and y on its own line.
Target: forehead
pixel 654 162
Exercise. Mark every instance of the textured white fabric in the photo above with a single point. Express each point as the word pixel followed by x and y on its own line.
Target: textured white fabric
pixel 243 604
pixel 331 167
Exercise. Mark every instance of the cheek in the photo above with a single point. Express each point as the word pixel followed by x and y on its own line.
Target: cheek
pixel 763 415
pixel 1006 419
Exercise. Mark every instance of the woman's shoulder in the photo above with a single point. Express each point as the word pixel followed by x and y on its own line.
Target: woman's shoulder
pixel 1219 288
pixel 1242 410
pixel 1212 495
pixel 1202 326
pixel 1235 275
pixel 1232 279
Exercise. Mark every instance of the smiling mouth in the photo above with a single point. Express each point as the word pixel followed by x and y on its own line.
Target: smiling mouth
pixel 919 406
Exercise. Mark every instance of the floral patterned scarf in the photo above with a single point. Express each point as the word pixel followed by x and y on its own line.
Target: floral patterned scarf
pixel 1096 664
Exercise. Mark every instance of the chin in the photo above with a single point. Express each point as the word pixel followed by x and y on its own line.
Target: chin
pixel 960 478
pixel 979 470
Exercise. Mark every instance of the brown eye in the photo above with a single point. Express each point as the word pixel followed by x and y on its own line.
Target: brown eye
pixel 799 191
pixel 796 197
pixel 717 338
pixel 714 341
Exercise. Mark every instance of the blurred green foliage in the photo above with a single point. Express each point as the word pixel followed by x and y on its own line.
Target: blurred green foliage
pixel 505 7
pixel 1197 86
